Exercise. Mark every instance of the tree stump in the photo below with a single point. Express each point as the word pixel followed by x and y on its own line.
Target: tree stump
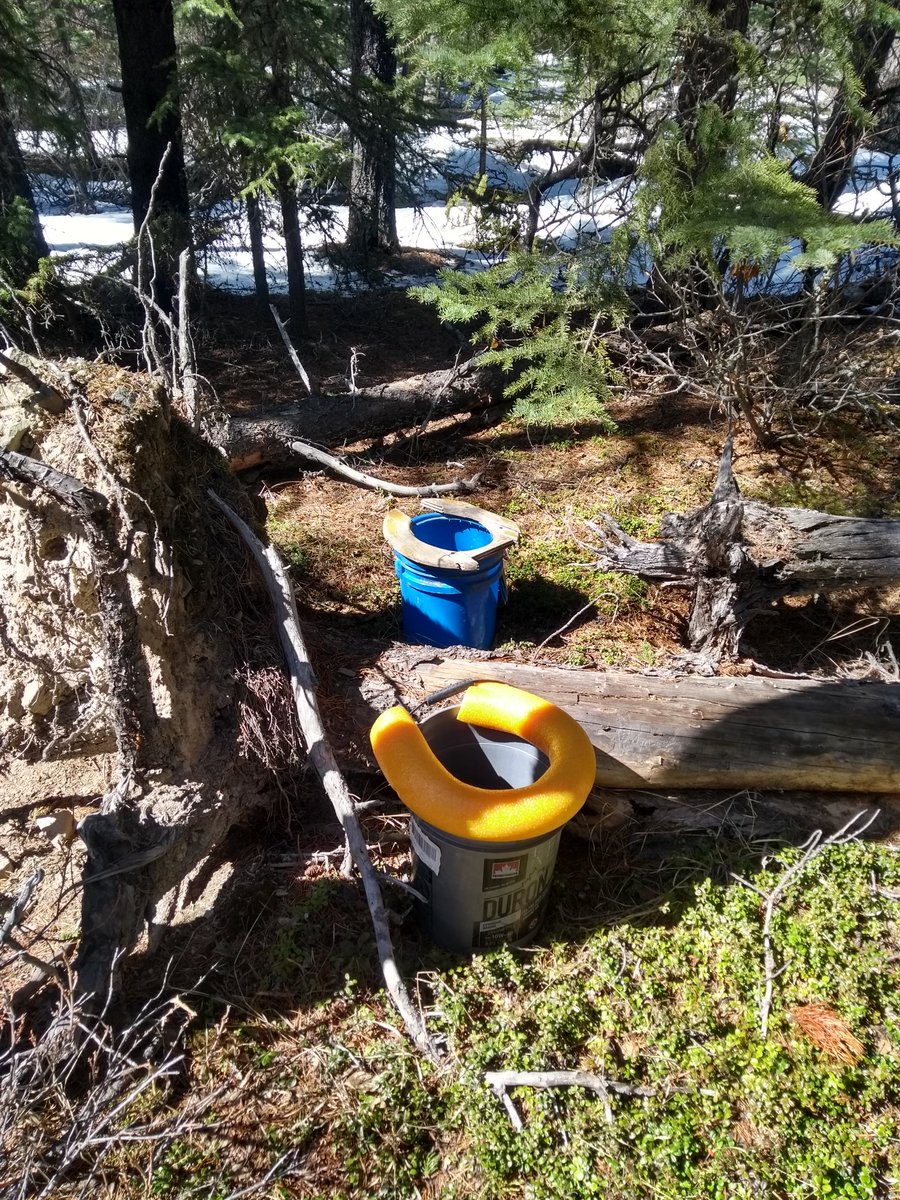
pixel 741 556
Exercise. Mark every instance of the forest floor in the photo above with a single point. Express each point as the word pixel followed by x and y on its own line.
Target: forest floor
pixel 296 1081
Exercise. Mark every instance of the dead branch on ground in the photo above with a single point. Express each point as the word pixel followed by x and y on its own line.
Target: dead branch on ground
pixel 14 917
pixel 292 352
pixel 314 454
pixel 500 1081
pixel 816 845
pixel 332 420
pixel 303 685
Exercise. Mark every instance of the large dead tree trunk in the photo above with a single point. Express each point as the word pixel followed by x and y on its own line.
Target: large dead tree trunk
pixel 264 439
pixel 741 556
pixel 730 732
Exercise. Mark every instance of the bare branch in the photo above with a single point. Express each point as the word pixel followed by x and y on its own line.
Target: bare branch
pixel 289 346
pixel 322 757
pixel 382 485
pixel 816 845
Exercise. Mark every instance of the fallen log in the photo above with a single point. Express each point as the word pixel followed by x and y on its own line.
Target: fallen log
pixel 741 556
pixel 264 439
pixel 713 733
pixel 339 467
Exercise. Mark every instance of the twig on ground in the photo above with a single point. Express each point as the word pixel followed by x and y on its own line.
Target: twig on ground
pixel 553 1079
pixel 403 885
pixel 369 481
pixel 815 846
pixel 322 757
pixel 289 346
pixel 47 969
pixel 500 1081
pixel 355 356
pixel 571 621
pixel 80 1125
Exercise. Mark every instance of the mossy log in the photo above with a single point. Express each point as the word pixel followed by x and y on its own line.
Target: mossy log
pixel 741 556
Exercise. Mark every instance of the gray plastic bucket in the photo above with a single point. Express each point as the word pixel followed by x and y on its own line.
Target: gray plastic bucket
pixel 481 894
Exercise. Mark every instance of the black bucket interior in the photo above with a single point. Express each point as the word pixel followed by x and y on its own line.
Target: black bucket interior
pixel 484 758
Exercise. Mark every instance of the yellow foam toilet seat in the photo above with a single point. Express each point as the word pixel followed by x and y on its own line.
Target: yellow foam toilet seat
pixel 399 535
pixel 490 814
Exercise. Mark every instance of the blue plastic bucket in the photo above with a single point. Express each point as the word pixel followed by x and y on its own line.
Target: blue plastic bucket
pixel 450 608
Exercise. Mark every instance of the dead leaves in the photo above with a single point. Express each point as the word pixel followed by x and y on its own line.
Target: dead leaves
pixel 822 1026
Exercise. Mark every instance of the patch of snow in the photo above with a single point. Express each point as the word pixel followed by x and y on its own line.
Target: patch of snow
pixel 460 165
pixel 66 232
pixel 873 188
pixel 574 216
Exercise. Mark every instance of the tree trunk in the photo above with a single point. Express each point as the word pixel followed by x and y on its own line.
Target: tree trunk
pixel 710 72
pixel 264 439
pixel 742 556
pixel 693 732
pixel 148 58
pixel 258 256
pixel 293 249
pixel 22 242
pixel 372 222
pixel 832 163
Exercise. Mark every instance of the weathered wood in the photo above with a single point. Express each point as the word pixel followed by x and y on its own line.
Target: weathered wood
pixel 741 556
pixel 728 732
pixel 264 439
pixel 339 467
pixel 321 755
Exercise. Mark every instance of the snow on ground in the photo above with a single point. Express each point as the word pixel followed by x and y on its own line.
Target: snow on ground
pixel 571 214
pixel 428 228
pixel 73 231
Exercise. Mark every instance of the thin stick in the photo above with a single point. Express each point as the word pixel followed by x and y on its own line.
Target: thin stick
pixel 187 367
pixel 814 847
pixel 571 621
pixel 322 757
pixel 14 916
pixel 553 1079
pixel 289 346
pixel 370 481
pixel 145 287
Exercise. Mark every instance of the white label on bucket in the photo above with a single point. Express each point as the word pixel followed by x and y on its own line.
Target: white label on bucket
pixel 427 850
